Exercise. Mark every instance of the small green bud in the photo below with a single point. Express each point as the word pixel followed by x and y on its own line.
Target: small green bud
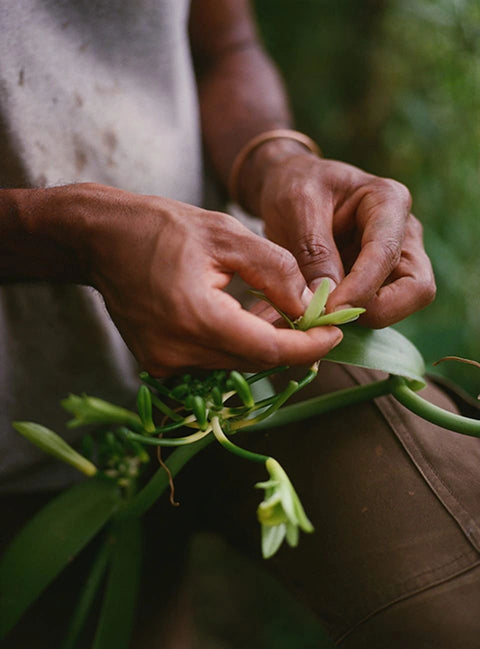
pixel 144 406
pixel 216 397
pixel 242 388
pixel 53 444
pixel 200 411
pixel 179 392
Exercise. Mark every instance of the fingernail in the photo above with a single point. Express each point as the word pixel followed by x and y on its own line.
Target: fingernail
pixel 318 280
pixel 339 337
pixel 306 296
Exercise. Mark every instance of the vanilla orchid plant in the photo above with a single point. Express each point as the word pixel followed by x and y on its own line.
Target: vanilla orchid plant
pixel 187 414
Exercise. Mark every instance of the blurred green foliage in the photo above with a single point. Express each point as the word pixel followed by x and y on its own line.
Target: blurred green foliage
pixel 393 86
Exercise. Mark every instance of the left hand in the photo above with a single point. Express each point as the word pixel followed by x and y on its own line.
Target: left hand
pixel 352 227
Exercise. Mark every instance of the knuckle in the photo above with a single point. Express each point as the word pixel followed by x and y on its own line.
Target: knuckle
pixel 416 226
pixel 397 190
pixel 427 292
pixel 391 252
pixel 286 264
pixel 311 250
pixel 297 193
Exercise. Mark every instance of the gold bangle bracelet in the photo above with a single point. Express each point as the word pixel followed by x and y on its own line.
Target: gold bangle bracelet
pixel 254 142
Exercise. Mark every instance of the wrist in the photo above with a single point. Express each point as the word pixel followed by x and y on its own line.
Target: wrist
pixel 257 159
pixel 52 234
pixel 257 166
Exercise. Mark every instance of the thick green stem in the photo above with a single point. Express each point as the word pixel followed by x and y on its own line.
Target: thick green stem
pixel 261 375
pixel 280 399
pixel 430 412
pixel 158 403
pixel 233 448
pixel 168 441
pixel 325 403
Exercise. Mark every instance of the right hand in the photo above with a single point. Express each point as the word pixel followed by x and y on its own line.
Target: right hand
pixel 162 265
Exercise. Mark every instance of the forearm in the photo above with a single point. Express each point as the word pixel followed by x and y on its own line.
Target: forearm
pixel 242 95
pixel 36 239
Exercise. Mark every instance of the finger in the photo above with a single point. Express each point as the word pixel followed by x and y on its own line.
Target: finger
pixel 315 249
pixel 265 312
pixel 268 268
pixel 259 343
pixel 411 286
pixel 306 229
pixel 181 357
pixel 382 216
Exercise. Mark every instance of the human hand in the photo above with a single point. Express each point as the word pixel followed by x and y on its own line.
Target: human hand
pixel 162 265
pixel 350 226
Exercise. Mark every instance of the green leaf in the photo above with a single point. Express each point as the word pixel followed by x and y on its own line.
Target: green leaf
pixel 55 445
pixel 118 607
pixel 380 349
pixel 49 541
pixel 88 595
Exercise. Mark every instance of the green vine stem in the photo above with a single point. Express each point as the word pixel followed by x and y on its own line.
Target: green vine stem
pixel 306 409
pixel 325 403
pixel 417 404
pixel 233 448
pixel 167 441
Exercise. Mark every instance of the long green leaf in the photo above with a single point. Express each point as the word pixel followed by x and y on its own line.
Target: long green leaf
pixel 88 594
pixel 49 541
pixel 118 608
pixel 380 349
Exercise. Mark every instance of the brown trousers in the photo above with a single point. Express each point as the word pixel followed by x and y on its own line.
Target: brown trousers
pixel 395 558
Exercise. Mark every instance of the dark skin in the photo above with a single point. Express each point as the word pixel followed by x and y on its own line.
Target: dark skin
pixel 338 221
pixel 323 219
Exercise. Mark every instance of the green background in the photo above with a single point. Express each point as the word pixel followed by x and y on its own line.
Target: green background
pixel 393 86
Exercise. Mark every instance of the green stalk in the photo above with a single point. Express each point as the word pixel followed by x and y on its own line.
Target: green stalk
pixel 311 374
pixel 262 375
pixel 155 383
pixel 88 595
pixel 291 388
pixel 325 403
pixel 233 448
pixel 167 441
pixel 417 404
pixel 158 403
pixel 168 427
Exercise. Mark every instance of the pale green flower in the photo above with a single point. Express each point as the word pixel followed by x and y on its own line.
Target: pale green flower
pixel 281 513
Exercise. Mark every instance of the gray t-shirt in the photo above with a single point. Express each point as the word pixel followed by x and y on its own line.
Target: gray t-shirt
pixel 90 90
